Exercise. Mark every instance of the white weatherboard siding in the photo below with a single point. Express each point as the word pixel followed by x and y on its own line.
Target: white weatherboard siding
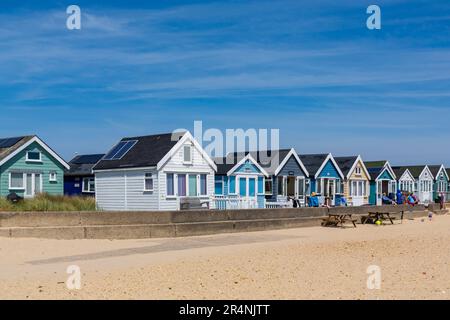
pixel 110 190
pixel 176 165
pixel 124 190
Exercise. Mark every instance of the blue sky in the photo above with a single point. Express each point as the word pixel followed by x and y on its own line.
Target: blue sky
pixel 309 68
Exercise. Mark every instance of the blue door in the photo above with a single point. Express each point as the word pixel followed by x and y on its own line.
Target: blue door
pixel 243 187
pixel 251 187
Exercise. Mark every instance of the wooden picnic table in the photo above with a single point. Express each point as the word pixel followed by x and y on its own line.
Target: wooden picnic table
pixel 334 219
pixel 382 216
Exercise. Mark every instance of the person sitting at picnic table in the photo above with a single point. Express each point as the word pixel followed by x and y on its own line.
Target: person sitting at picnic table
pixel 387 200
pixel 400 197
pixel 313 200
pixel 412 199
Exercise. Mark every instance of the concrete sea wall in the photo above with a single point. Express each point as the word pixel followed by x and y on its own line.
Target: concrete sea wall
pixel 157 224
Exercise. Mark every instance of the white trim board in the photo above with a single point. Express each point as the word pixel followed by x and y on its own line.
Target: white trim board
pixel 171 153
pixel 440 169
pixel 408 173
pixel 387 166
pixel 426 169
pixel 291 153
pixel 329 157
pixel 354 166
pixel 242 161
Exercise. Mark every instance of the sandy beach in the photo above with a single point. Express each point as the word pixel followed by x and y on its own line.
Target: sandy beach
pixel 306 263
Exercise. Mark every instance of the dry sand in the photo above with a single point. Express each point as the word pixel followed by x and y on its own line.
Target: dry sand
pixel 307 263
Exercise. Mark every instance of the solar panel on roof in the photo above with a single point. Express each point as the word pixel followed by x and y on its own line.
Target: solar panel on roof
pixel 120 150
pixel 119 155
pixel 114 150
pixel 9 142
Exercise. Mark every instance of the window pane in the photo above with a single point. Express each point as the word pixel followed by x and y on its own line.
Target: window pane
pixel 219 187
pixel 251 187
pixel 301 186
pixel 170 184
pixel 203 187
pixel 243 186
pixel 268 186
pixel 280 186
pixel 181 185
pixel 86 185
pixel 192 185
pixel 29 190
pixel 32 155
pixel 149 184
pixel 92 184
pixel 16 180
pixel 187 154
pixel 37 183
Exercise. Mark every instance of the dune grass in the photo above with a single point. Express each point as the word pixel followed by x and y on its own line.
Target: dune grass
pixel 45 202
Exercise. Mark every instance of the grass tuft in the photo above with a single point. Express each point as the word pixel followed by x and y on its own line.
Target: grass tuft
pixel 46 202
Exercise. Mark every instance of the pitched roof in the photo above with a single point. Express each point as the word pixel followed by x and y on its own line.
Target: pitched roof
pixel 345 163
pixel 82 165
pixel 415 170
pixel 225 164
pixel 399 171
pixel 435 169
pixel 313 162
pixel 375 164
pixel 147 152
pixel 8 149
pixel 269 160
pixel 375 168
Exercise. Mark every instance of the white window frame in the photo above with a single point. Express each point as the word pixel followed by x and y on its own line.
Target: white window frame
pixel 186 146
pixel 10 187
pixel 83 185
pixel 53 177
pixel 34 160
pixel 149 178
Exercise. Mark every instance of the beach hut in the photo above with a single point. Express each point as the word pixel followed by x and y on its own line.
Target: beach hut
pixel 423 181
pixel 286 179
pixel 79 180
pixel 357 180
pixel 406 181
pixel 28 166
pixel 325 177
pixel 239 182
pixel 155 172
pixel 441 181
pixel 382 181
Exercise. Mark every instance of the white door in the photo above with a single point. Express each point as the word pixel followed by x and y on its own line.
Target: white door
pixel 426 191
pixel 33 184
pixel 357 191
